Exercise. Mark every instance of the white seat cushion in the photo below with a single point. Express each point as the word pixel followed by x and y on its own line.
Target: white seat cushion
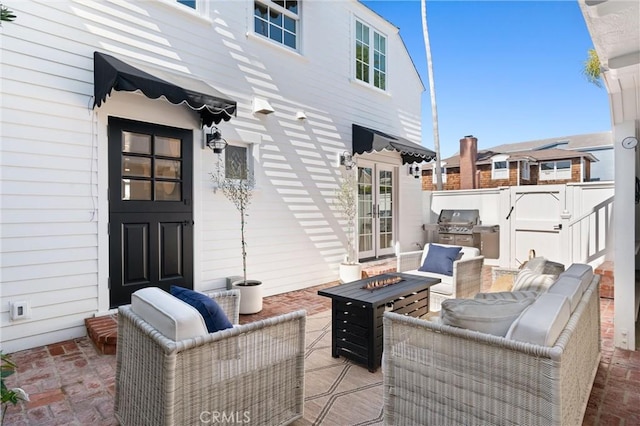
pixel 568 286
pixel 582 271
pixel 444 287
pixel 543 321
pixel 172 317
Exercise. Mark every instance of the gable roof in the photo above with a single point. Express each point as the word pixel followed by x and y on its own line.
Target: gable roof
pixel 575 142
pixel 533 155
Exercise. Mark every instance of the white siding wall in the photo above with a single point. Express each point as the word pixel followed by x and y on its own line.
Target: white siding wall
pixel 54 166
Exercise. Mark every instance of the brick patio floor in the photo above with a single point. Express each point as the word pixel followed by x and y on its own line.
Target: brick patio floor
pixel 72 383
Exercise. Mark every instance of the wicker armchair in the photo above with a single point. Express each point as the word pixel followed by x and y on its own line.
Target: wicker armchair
pixel 249 373
pixel 465 282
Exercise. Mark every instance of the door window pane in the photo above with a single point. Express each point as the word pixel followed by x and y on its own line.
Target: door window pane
pixel 168 191
pixel 385 209
pixel 136 143
pixel 136 166
pixel 168 169
pixel 365 209
pixel 136 189
pixel 168 147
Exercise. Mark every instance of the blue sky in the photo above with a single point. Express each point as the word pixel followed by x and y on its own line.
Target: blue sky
pixel 505 71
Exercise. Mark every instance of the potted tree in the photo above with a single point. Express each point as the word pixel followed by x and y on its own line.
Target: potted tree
pixel 237 186
pixel 346 201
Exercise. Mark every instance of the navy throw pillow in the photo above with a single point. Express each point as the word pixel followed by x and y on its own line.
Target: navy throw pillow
pixel 214 317
pixel 440 259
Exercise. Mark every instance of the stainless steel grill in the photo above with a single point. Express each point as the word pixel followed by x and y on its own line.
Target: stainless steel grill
pixel 462 227
pixel 456 227
pixel 457 221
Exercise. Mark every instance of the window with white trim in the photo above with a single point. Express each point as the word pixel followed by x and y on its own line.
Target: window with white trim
pixel 189 3
pixel 444 174
pixel 555 170
pixel 500 168
pixel 278 20
pixel 526 173
pixel 370 56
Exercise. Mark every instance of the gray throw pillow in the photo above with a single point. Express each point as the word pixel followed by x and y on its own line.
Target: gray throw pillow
pixel 536 264
pixel 530 280
pixel 507 295
pixel 484 315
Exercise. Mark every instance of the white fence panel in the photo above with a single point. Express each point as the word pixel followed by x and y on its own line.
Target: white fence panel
pixel 564 223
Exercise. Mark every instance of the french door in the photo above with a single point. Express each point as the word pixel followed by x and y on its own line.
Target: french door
pixel 376 210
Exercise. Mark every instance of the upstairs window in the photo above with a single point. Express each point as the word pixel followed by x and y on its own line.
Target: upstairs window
pixel 371 56
pixel 189 3
pixel 526 175
pixel 500 169
pixel 555 170
pixel 278 21
pixel 444 174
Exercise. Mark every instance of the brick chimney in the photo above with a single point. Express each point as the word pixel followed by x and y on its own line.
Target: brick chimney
pixel 468 156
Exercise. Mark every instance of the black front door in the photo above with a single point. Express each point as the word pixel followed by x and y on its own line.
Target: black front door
pixel 150 208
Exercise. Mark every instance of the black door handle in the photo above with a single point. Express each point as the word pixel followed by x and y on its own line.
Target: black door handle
pixel 509 215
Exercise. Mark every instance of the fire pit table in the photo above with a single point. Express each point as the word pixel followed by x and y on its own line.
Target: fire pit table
pixel 357 309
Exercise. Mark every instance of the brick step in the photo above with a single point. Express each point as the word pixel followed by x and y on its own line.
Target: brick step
pixel 605 270
pixel 103 332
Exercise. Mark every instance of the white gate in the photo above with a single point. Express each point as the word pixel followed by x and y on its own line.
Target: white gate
pixel 564 223
pixel 535 219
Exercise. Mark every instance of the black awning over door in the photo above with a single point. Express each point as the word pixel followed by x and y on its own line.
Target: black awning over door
pixel 367 140
pixel 114 74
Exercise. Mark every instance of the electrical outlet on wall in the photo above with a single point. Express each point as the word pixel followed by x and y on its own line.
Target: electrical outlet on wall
pixel 20 310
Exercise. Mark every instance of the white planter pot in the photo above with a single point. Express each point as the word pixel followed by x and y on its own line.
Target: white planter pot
pixel 250 296
pixel 350 272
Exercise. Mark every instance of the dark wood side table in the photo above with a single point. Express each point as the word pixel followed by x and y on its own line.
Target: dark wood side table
pixel 356 331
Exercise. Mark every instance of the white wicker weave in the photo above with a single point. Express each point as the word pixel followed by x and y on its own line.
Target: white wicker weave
pixel 441 375
pixel 466 278
pixel 250 373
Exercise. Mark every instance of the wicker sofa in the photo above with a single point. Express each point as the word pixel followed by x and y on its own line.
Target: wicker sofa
pixel 465 281
pixel 171 371
pixel 440 374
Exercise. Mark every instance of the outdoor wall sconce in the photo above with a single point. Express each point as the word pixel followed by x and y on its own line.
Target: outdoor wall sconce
pixel 262 106
pixel 346 159
pixel 215 141
pixel 414 171
pixel 300 115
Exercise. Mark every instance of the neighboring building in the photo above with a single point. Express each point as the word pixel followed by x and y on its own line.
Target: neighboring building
pixel 614 27
pixel 106 108
pixel 600 145
pixel 550 161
